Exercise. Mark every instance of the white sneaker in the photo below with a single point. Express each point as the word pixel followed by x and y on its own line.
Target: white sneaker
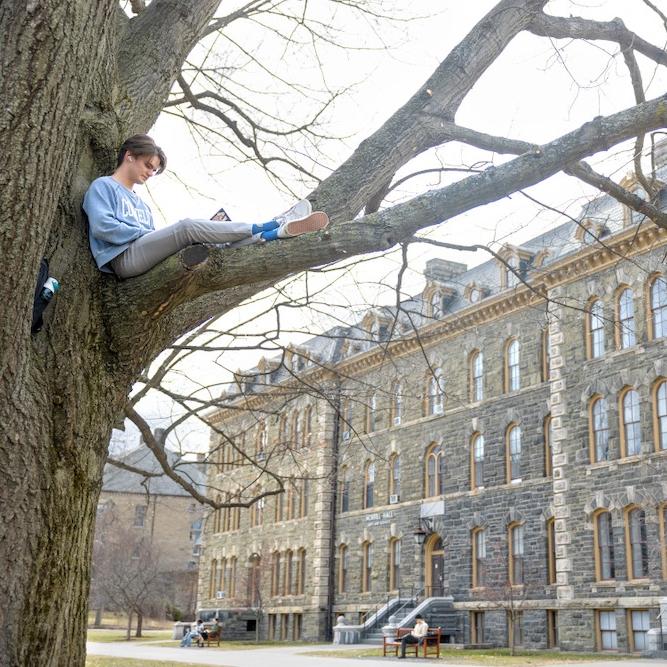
pixel 311 223
pixel 300 210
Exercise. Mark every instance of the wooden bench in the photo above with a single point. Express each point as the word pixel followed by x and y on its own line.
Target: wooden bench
pixel 431 640
pixel 212 636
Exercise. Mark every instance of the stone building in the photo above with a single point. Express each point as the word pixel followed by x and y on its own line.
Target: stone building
pixel 497 447
pixel 158 512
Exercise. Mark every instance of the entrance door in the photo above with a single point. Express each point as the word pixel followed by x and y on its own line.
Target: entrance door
pixel 435 570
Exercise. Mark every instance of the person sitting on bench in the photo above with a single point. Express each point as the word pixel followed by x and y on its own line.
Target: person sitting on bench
pixel 416 636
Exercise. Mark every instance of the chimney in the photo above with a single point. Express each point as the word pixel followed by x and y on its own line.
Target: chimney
pixel 443 271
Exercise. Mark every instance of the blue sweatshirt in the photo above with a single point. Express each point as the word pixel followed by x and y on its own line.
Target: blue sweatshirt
pixel 116 217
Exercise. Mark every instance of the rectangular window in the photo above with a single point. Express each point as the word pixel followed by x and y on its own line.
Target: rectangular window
pixel 606 623
pixel 272 626
pixel 517 553
pixel 479 558
pixel 477 627
pixel 515 628
pixel 552 628
pixel 638 625
pixel 297 623
pixel 284 620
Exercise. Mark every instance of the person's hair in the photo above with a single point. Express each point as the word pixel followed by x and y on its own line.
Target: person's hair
pixel 419 617
pixel 141 144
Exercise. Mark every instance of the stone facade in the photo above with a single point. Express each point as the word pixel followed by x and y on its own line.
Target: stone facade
pixel 401 385
pixel 159 512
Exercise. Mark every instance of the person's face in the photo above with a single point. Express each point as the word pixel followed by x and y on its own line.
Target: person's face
pixel 142 167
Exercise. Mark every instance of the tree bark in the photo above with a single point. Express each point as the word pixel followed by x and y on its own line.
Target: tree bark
pixel 140 623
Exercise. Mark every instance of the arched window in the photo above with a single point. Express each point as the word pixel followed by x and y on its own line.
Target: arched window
pixel 631 440
pixel 599 430
pixel 257 511
pixel 282 430
pixel 603 539
pixel 658 307
pixel 476 376
pixel 297 429
pixel 308 426
pixel 636 543
pixel 346 418
pixel 625 318
pixel 512 372
pixel 394 564
pixel 435 392
pixel 344 489
pixel 478 558
pixel 217 516
pixel 394 478
pixel 434 483
pixel 342 568
pixel 371 414
pixel 236 513
pixel 275 573
pixel 292 500
pixel 513 449
pixel 366 566
pixel 551 550
pixel 660 415
pixel 230 585
pixel 397 403
pixel 595 338
pixel 301 572
pixel 436 305
pixel 279 500
pixel 477 451
pixel 219 580
pixel 547 429
pixel 369 484
pixel 254 579
pixel 288 579
pixel 516 564
pixel 303 498
pixel 261 440
pixel 213 577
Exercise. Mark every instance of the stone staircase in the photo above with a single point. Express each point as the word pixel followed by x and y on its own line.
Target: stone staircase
pixel 438 611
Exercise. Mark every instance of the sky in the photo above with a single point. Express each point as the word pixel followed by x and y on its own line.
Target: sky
pixel 536 91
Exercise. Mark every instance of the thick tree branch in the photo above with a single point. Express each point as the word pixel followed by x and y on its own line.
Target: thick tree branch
pixel 581 170
pixel 609 31
pixel 151 54
pixel 403 136
pixel 136 306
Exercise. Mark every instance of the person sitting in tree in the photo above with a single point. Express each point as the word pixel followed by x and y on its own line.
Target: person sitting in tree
pixel 123 239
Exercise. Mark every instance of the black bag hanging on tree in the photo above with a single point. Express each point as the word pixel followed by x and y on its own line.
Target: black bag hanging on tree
pixel 45 290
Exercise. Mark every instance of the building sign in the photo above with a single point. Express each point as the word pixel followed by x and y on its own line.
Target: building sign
pixel 379 518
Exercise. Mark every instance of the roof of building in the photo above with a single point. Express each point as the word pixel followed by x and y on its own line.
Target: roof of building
pixel 119 480
pixel 603 216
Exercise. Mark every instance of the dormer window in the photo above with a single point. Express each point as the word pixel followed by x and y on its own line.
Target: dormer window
pixel 474 293
pixel 436 305
pixel 590 231
pixel 514 262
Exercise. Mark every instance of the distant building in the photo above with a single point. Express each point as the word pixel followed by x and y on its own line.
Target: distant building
pixel 496 450
pixel 161 512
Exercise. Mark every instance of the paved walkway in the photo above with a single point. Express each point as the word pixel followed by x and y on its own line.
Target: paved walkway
pixel 288 656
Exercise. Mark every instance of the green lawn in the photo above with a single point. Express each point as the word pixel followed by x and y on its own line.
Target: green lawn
pixel 495 657
pixel 119 636
pixel 104 661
